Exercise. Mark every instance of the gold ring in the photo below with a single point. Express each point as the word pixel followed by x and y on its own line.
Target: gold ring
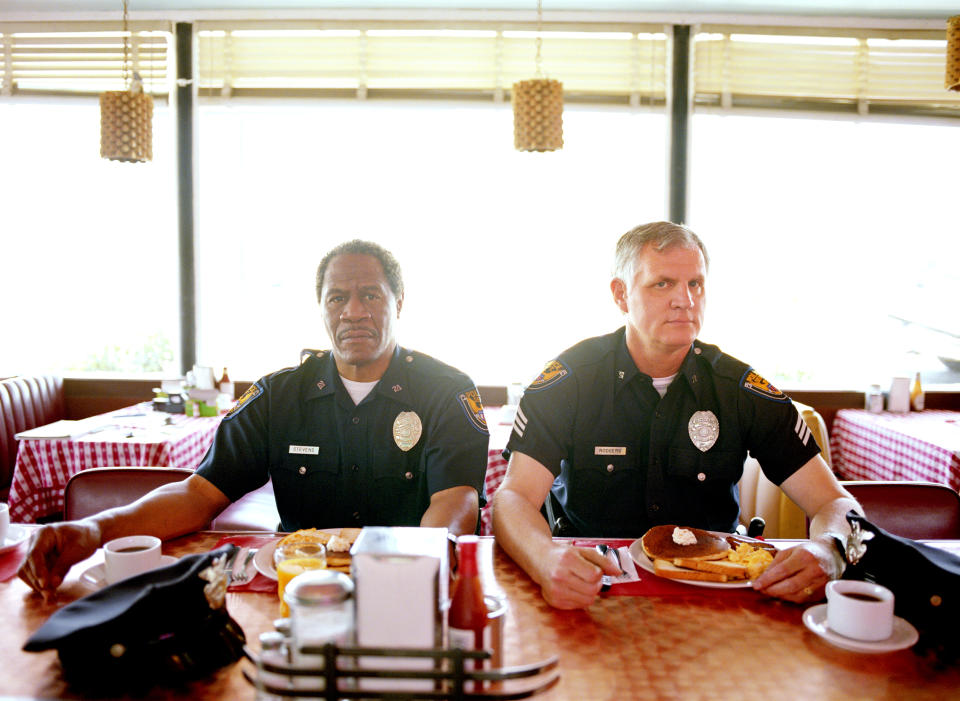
pixel 807 591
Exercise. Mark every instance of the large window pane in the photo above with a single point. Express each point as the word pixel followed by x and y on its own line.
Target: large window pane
pixel 506 255
pixel 89 246
pixel 834 245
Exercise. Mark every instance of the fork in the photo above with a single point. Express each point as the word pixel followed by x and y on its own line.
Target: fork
pixel 242 576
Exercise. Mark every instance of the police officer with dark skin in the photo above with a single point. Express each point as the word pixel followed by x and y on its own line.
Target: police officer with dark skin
pixel 659 286
pixel 360 308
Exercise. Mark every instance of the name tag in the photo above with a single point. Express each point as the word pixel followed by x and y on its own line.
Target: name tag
pixel 608 450
pixel 304 450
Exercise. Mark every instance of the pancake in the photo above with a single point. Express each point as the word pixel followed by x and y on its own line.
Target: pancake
pixel 658 544
pixel 337 545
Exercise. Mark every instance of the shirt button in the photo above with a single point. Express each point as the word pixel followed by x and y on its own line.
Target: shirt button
pixel 657 414
pixel 356 419
pixel 655 507
pixel 408 475
pixel 409 358
pixel 354 467
pixel 356 515
pixel 302 470
pixel 609 468
pixel 697 351
pixel 701 477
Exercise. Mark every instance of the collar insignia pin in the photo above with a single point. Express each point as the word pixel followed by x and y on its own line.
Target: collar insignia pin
pixel 703 429
pixel 397 388
pixel 321 384
pixel 620 374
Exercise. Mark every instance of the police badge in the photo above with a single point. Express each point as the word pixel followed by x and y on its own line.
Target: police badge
pixel 704 429
pixel 407 430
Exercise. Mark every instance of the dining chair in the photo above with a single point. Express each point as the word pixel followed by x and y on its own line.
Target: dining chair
pixel 916 510
pixel 91 491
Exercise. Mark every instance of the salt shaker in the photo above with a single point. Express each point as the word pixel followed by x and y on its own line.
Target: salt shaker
pixel 321 611
pixel 874 399
pixel 273 651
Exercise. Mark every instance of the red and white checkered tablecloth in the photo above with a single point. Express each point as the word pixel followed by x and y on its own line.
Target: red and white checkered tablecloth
pixel 500 423
pixel 919 446
pixel 134 437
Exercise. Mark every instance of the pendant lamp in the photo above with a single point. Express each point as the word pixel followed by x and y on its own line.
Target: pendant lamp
pixel 126 116
pixel 953 54
pixel 538 107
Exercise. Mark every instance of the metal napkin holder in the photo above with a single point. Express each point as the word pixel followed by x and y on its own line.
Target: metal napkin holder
pixel 451 679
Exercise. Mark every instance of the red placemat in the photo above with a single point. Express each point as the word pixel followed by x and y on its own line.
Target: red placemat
pixel 257 583
pixel 652 585
pixel 11 560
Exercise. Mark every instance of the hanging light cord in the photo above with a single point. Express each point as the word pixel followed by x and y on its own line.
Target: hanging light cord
pixel 126 49
pixel 539 31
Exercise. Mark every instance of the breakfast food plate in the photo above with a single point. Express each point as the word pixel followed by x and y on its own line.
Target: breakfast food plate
pixel 644 562
pixel 96 575
pixel 15 535
pixel 904 634
pixel 263 560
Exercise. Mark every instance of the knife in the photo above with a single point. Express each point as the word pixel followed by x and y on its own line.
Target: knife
pixel 232 558
pixel 607 579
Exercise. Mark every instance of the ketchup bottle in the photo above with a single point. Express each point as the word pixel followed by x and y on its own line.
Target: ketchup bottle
pixel 467 617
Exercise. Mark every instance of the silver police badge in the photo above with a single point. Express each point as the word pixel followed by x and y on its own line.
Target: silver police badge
pixel 704 429
pixel 407 430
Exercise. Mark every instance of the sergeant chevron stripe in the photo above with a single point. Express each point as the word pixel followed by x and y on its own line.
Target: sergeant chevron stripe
pixel 520 423
pixel 802 430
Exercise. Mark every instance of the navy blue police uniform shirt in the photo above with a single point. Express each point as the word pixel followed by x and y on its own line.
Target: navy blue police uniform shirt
pixel 624 457
pixel 334 463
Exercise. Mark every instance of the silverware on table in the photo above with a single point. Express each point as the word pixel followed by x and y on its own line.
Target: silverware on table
pixel 244 574
pixel 231 560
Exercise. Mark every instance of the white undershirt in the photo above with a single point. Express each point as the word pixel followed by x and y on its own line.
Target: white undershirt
pixel 358 390
pixel 661 383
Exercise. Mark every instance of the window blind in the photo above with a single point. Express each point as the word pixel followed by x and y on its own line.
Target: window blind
pixel 857 69
pixel 47 59
pixel 619 64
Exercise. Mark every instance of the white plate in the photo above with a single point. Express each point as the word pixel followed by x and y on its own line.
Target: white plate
pixel 640 557
pixel 96 576
pixel 904 634
pixel 263 560
pixel 15 535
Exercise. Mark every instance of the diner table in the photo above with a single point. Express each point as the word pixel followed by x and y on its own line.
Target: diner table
pixel 653 639
pixel 914 446
pixel 131 436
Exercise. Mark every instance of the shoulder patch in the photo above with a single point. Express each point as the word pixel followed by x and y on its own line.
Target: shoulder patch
pixel 752 382
pixel 473 408
pixel 245 399
pixel 553 373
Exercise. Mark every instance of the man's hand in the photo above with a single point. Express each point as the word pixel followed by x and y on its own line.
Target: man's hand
pixel 569 577
pixel 54 549
pixel 800 573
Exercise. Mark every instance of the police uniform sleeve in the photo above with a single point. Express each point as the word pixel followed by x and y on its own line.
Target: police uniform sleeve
pixel 456 452
pixel 777 435
pixel 236 462
pixel 543 425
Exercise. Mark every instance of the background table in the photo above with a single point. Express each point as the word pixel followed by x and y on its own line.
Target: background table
pixel 698 643
pixel 130 437
pixel 500 424
pixel 918 446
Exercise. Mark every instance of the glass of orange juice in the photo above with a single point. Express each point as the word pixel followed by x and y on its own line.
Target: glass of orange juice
pixel 296 558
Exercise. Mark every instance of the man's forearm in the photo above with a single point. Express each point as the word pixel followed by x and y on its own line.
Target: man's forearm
pixel 521 531
pixel 455 509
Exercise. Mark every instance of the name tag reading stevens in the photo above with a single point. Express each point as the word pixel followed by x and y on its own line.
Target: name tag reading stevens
pixel 609 450
pixel 304 449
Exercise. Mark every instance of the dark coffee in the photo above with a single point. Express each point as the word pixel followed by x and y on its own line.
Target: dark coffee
pixel 862 597
pixel 133 549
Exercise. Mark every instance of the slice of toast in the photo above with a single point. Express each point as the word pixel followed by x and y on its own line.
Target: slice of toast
pixel 665 568
pixel 733 570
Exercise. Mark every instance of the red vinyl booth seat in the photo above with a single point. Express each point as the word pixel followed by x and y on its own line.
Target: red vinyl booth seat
pixel 916 510
pixel 25 403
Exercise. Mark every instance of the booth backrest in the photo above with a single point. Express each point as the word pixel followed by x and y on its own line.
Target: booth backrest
pixel 25 402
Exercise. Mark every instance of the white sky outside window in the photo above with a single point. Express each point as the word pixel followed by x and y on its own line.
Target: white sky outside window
pixel 506 255
pixel 822 230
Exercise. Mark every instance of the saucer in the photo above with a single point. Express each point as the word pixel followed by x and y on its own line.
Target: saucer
pixel 96 575
pixel 15 535
pixel 904 634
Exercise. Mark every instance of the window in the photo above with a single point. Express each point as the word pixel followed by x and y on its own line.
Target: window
pixel 506 255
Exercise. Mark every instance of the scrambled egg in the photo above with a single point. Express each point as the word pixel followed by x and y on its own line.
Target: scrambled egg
pixel 756 560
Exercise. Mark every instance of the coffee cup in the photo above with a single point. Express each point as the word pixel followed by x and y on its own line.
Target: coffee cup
pixel 4 522
pixel 130 555
pixel 860 610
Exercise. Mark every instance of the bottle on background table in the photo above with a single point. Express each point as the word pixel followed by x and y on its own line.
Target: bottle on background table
pixel 916 394
pixel 226 385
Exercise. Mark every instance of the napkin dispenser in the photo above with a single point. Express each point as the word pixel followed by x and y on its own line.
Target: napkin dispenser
pixel 401 576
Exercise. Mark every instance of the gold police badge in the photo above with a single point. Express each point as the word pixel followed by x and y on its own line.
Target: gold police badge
pixel 407 429
pixel 704 429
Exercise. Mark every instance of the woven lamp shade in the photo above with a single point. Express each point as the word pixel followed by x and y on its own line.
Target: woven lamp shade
pixel 126 126
pixel 953 53
pixel 538 115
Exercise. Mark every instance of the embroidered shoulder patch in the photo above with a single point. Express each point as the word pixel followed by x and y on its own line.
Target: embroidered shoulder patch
pixel 473 408
pixel 552 374
pixel 753 382
pixel 245 399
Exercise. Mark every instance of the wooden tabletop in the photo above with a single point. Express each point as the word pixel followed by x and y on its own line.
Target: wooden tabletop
pixel 704 644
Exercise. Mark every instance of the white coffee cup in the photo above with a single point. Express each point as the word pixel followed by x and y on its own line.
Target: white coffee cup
pixel 130 555
pixel 860 610
pixel 4 522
